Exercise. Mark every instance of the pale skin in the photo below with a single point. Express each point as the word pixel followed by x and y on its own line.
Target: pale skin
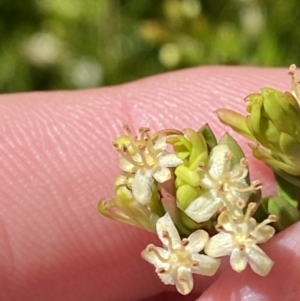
pixel 57 161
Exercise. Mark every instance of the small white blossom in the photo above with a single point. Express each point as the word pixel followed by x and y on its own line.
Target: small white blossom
pixel 225 186
pixel 150 161
pixel 295 82
pixel 178 259
pixel 239 238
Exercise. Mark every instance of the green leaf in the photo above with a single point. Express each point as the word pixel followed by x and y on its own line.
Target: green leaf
pixel 234 147
pixel 236 121
pixel 278 166
pixel 287 214
pixel 209 136
pixel 262 212
pixel 294 180
pixel 290 147
pixel 274 104
pixel 287 190
pixel 198 151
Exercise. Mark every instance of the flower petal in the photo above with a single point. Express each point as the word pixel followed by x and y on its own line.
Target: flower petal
pixel 219 245
pixel 224 221
pixel 153 258
pixel 169 160
pixel 197 241
pixel 162 175
pixel 207 265
pixel 238 260
pixel 204 207
pixel 121 180
pixel 126 166
pixel 160 143
pixel 259 261
pixel 236 194
pixel 166 277
pixel 218 161
pixel 141 186
pixel 184 280
pixel 165 224
pixel 263 234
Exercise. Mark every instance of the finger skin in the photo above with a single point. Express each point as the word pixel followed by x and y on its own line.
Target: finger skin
pixel 56 162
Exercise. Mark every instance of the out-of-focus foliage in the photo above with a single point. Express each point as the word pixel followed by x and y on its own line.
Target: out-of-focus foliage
pixel 55 44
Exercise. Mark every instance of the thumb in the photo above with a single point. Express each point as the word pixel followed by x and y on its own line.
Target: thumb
pixel 57 162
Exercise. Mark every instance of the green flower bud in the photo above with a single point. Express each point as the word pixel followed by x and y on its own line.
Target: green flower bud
pixel 193 148
pixel 188 176
pixel 274 123
pixel 186 194
pixel 126 209
pixel 236 121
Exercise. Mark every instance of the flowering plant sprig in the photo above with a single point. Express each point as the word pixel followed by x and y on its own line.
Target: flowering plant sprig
pixel 273 128
pixel 195 192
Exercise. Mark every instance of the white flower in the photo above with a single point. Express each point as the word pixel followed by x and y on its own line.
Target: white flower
pixel 225 186
pixel 150 161
pixel 239 239
pixel 295 82
pixel 178 259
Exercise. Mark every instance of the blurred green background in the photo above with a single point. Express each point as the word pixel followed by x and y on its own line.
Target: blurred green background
pixel 70 44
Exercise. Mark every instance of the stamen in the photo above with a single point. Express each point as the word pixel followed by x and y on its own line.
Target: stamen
pixel 144 130
pixel 166 235
pixel 167 132
pixel 201 166
pixel 142 149
pixel 143 133
pixel 152 248
pixel 295 81
pixel 160 270
pixel 195 264
pixel 250 209
pixel 222 209
pixel 145 137
pixel 124 153
pixel 232 224
pixel 227 164
pixel 116 146
pixel 244 163
pixel 219 228
pixel 255 185
pixel 185 242
pixel 131 138
pixel 240 203
pixel 228 156
pixel 228 196
pixel 241 174
pixel 271 219
pixel 182 279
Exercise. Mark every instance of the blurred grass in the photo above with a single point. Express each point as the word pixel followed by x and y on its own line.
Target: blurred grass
pixel 70 44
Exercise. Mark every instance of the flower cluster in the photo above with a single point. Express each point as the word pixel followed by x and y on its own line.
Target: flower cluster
pixel 239 238
pixel 179 258
pixel 226 187
pixel 194 192
pixel 147 160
